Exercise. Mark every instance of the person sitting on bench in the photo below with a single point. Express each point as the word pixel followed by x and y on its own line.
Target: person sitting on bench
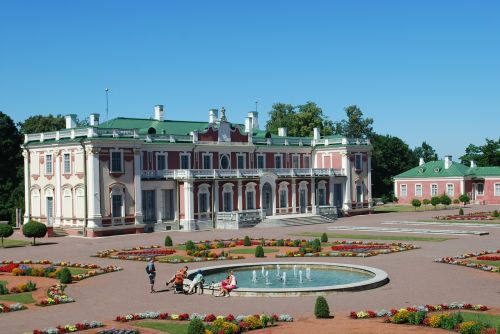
pixel 228 285
pixel 196 283
pixel 178 280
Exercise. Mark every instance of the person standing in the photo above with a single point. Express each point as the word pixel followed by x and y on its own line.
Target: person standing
pixel 151 270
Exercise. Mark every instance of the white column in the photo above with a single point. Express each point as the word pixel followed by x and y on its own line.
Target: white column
pixel 462 187
pixel 369 185
pixel 57 190
pixel 188 206
pixel 313 195
pixel 330 187
pixel 240 195
pixel 274 197
pixel 27 193
pixel 294 196
pixel 137 187
pixel 216 197
pixel 346 165
pixel 176 205
pixel 93 196
pixel 159 205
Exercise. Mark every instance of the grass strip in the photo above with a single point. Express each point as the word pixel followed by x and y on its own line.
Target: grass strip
pixel 24 298
pixel 490 320
pixel 252 250
pixel 77 271
pixel 167 327
pixel 14 243
pixel 374 237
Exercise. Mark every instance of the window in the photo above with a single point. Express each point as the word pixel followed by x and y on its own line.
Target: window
pixel 277 161
pixel 224 161
pixel 203 202
pixel 261 161
pixel 450 189
pixel 66 163
pixel 240 158
pixel 358 162
pixel 228 201
pixel 207 161
pixel 48 164
pixel 322 193
pixel 480 188
pixel 418 190
pixel 117 205
pixel 307 161
pixel 250 200
pixel 434 189
pixel 185 163
pixel 161 162
pixel 497 189
pixel 295 161
pixel 283 198
pixel 403 190
pixel 116 162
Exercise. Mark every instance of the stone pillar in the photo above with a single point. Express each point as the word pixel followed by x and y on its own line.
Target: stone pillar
pixel 159 205
pixel 369 182
pixel 57 190
pixel 216 197
pixel 27 192
pixel 137 187
pixel 294 196
pixel 313 195
pixel 188 221
pixel 330 187
pixel 240 195
pixel 462 187
pixel 93 196
pixel 346 165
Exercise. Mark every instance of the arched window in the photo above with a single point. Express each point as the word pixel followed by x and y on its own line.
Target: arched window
pixel 227 197
pixel 203 200
pixel 283 191
pixel 49 205
pixel 322 193
pixel 117 195
pixel 250 196
pixel 67 202
pixel 79 202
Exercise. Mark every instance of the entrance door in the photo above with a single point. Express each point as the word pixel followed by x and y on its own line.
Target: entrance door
pixel 168 204
pixel 149 206
pixel 267 199
pixel 303 200
pixel 337 195
pixel 50 211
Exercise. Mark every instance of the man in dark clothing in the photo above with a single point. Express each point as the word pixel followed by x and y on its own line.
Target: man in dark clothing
pixel 151 270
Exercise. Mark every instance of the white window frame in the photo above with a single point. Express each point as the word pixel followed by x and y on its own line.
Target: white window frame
pixel 250 189
pixel 228 156
pixel 117 190
pixel 322 186
pixel 297 158
pixel 360 157
pixel 111 170
pixel 437 190
pixel 263 160
pixel 405 186
pixel 66 171
pixel 477 188
pixel 185 154
pixel 241 155
pixel 204 189
pixel 307 158
pixel 280 156
pixel 418 193
pixel 227 188
pixel 452 193
pixel 211 160
pixel 158 155
pixel 283 187
pixel 48 157
pixel 496 189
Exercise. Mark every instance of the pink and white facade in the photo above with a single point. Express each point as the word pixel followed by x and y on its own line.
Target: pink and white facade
pixel 126 175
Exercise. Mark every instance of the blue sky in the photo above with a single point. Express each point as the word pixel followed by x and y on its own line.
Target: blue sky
pixel 423 70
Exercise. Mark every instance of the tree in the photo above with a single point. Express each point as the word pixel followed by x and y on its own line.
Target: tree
pixel 189 245
pixel 435 200
pixel 321 308
pixel 416 203
pixel 282 115
pixel 445 200
pixel 355 126
pixel 65 276
pixel 426 201
pixel 426 152
pixel 168 241
pixel 5 231
pixel 464 198
pixel 34 229
pixel 40 123
pixel 486 155
pixel 246 241
pixel 324 237
pixel 391 156
pixel 259 251
pixel 11 173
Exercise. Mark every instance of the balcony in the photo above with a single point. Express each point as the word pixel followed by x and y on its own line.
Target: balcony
pixel 185 174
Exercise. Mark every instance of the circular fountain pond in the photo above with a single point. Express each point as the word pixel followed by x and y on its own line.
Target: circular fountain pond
pixel 296 278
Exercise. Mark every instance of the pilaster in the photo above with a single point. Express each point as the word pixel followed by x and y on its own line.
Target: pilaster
pixel 137 187
pixel 27 193
pixel 57 190
pixel 369 182
pixel 313 195
pixel 93 188
pixel 294 196
pixel 240 195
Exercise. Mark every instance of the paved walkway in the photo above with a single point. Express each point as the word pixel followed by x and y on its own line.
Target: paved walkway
pixel 415 278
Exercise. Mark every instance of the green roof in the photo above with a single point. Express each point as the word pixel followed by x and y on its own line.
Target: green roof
pixel 435 169
pixel 162 127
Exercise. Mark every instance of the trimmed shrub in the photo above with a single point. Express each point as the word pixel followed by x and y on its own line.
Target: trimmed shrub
pixel 196 326
pixel 34 229
pixel 3 290
pixel 247 241
pixel 189 245
pixel 456 201
pixel 416 318
pixel 445 200
pixel 416 203
pixel 316 245
pixel 65 276
pixel 259 251
pixel 461 212
pixel 168 241
pixel 321 309
pixel 280 243
pixel 426 201
pixel 464 199
pixel 435 200
pixel 495 214
pixel 324 237
pixel 5 231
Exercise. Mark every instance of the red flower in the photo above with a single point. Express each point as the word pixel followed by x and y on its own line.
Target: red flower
pixel 210 318
pixel 163 316
pixel 394 311
pixel 353 315
pixel 229 317
pixel 371 314
pixel 183 316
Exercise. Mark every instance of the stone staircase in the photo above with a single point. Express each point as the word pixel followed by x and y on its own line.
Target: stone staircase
pixel 59 232
pixel 295 221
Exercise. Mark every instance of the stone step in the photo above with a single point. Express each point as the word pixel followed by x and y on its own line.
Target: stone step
pixel 59 232
pixel 294 221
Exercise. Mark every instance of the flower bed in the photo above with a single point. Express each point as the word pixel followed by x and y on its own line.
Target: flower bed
pixel 56 296
pixel 20 288
pixel 461 260
pixel 11 308
pixel 424 308
pixel 148 252
pixel 470 216
pixel 81 326
pixel 48 269
pixel 118 331
pixel 489 258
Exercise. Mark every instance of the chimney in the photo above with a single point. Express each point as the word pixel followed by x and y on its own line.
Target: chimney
pixel 212 116
pixel 282 132
pixel 254 118
pixel 248 124
pixel 421 162
pixel 316 135
pixel 447 161
pixel 70 121
pixel 473 164
pixel 223 114
pixel 94 120
pixel 159 112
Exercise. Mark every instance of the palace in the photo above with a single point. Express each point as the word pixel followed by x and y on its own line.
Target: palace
pixel 130 175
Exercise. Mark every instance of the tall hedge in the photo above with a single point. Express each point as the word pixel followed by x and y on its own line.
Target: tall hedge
pixel 34 229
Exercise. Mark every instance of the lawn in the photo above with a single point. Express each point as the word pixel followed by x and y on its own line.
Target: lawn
pixel 486 262
pixel 24 298
pixel 252 250
pixel 408 208
pixel 14 243
pixel 492 222
pixel 77 271
pixel 173 257
pixel 488 319
pixel 374 237
pixel 167 327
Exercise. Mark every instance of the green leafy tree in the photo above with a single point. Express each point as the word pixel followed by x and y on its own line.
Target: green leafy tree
pixel 246 241
pixel 34 229
pixel 5 231
pixel 391 156
pixel 196 326
pixel 416 203
pixel 355 126
pixel 435 200
pixel 282 115
pixel 259 251
pixel 426 201
pixel 445 200
pixel 426 151
pixel 168 241
pixel 321 308
pixel 486 155
pixel 324 237
pixel 464 198
pixel 41 123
